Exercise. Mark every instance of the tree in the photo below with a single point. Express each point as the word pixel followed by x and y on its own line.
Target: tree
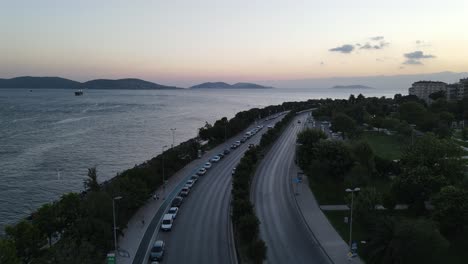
pixel 365 156
pixel 8 252
pixel 26 238
pixel 364 205
pixel 91 183
pixel 334 158
pixel 343 123
pixel 412 112
pixel 439 94
pixel 440 156
pixel 451 209
pixel 309 137
pixel 465 133
pixel 405 241
pixel 46 219
pixel 415 186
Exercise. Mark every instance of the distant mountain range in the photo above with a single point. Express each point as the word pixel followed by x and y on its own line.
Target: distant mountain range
pixel 61 83
pixel 351 87
pixel 394 83
pixel 223 85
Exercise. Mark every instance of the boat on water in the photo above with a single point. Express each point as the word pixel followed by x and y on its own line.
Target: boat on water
pixel 79 93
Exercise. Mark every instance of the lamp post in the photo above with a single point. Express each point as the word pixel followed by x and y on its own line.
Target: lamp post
pixel 351 217
pixel 163 180
pixel 173 132
pixel 113 216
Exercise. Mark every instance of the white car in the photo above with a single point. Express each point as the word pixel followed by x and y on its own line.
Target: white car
pixel 194 178
pixel 201 171
pixel 207 165
pixel 189 184
pixel 167 221
pixel 238 143
pixel 215 159
pixel 173 211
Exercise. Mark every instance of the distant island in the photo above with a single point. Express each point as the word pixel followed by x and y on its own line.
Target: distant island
pixel 62 83
pixel 223 85
pixel 351 87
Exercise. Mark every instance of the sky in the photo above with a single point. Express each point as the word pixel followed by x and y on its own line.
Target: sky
pixel 186 42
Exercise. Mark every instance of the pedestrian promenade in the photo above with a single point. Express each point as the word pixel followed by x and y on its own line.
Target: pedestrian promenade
pixel 331 242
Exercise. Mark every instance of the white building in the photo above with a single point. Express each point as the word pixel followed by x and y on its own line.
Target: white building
pixel 423 89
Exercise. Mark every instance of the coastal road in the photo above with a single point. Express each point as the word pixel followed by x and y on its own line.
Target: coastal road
pixel 201 232
pixel 282 227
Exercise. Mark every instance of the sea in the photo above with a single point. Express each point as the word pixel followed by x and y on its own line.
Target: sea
pixel 49 137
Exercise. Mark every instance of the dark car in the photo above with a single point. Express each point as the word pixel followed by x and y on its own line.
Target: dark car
pixel 177 201
pixel 234 146
pixel 157 252
pixel 226 151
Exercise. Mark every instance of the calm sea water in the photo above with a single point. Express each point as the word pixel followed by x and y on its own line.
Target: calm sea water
pixel 48 138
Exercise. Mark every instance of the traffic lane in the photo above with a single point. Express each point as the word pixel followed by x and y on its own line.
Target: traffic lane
pixel 204 216
pixel 287 237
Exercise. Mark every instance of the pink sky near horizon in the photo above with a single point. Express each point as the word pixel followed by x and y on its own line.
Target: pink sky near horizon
pixel 181 42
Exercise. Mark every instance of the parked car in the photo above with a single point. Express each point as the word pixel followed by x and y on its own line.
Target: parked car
pixel 194 178
pixel 177 202
pixel 207 165
pixel 243 139
pixel 157 251
pixel 215 159
pixel 201 171
pixel 251 145
pixel 270 126
pixel 183 194
pixel 233 146
pixel 220 155
pixel 298 121
pixel 189 184
pixel 167 221
pixel 233 171
pixel 226 151
pixel 238 143
pixel 173 211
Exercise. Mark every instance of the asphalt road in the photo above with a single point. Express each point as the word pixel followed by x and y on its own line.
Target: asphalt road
pixel 201 233
pixel 282 227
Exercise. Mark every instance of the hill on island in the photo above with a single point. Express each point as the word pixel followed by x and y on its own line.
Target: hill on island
pixel 351 87
pixel 39 83
pixel 132 84
pixel 62 83
pixel 223 85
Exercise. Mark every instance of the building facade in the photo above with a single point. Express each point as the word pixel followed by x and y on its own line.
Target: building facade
pixel 423 89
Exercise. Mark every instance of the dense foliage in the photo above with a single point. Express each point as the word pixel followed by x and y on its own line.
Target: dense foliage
pixel 429 174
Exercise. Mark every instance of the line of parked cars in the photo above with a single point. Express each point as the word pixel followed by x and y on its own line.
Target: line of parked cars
pixel 157 251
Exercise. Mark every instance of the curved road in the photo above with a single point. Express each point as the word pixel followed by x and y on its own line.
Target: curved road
pixel 282 226
pixel 201 233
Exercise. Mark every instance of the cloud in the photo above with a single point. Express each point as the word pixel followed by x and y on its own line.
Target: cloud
pixel 415 57
pixel 377 46
pixel 418 55
pixel 412 62
pixel 422 43
pixel 377 38
pixel 347 48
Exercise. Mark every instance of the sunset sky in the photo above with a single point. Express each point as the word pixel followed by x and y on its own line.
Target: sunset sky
pixel 178 42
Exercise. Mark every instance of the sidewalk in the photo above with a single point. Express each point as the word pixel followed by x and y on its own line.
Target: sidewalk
pixel 138 224
pixel 331 242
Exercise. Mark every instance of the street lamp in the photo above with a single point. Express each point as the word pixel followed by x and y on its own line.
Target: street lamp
pixel 173 131
pixel 113 216
pixel 163 180
pixel 351 218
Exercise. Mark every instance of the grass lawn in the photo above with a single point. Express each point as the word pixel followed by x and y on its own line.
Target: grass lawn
pixel 385 146
pixel 334 192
